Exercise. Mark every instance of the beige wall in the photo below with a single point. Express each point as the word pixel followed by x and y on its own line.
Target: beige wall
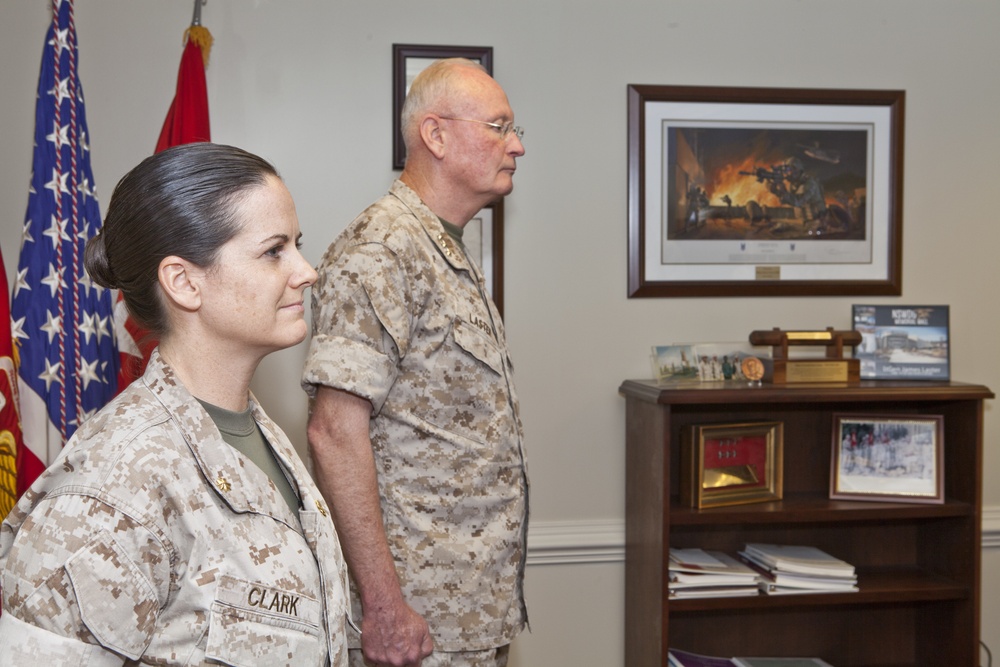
pixel 306 83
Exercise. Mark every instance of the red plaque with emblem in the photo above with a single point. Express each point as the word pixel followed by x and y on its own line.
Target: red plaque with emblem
pixel 731 464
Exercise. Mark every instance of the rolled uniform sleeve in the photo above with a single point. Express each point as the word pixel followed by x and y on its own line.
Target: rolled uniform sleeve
pixel 368 311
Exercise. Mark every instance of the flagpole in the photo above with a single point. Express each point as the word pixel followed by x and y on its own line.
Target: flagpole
pixel 187 121
pixel 196 19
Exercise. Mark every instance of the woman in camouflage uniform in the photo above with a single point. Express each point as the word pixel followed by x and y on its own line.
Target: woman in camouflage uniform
pixel 179 526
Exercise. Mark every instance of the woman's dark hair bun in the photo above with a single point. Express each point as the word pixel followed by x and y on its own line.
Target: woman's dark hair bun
pixel 95 260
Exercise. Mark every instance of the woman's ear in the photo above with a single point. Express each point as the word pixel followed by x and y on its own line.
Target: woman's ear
pixel 180 282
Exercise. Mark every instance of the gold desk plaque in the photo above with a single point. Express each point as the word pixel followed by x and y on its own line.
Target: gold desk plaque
pixel 782 369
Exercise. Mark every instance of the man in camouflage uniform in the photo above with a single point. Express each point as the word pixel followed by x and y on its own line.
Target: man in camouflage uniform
pixel 414 430
pixel 122 571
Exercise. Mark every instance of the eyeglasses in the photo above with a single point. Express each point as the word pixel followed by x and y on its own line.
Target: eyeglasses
pixel 504 130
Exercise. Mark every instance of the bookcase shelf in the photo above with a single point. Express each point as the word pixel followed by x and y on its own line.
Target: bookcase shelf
pixel 812 508
pixel 894 586
pixel 918 564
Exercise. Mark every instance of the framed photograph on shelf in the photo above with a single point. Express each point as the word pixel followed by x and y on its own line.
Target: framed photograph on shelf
pixel 483 239
pixel 408 60
pixel 674 363
pixel 731 464
pixel 888 458
pixel 702 362
pixel 902 342
pixel 764 191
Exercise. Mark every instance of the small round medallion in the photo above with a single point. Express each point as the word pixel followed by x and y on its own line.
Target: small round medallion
pixel 752 368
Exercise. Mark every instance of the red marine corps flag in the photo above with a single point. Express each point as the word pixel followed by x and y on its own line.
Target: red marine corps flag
pixel 11 444
pixel 186 122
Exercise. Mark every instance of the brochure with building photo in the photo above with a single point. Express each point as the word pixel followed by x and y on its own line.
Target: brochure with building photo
pixel 903 342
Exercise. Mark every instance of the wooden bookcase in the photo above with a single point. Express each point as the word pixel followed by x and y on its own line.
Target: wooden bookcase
pixel 918 564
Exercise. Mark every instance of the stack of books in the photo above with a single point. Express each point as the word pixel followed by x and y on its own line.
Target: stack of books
pixel 696 573
pixel 678 658
pixel 791 569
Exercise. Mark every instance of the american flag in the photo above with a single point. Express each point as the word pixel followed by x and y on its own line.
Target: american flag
pixel 61 321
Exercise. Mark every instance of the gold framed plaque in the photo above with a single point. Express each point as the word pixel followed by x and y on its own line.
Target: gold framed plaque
pixel 731 464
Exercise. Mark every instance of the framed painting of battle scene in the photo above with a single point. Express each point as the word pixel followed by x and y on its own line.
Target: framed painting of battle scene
pixel 764 191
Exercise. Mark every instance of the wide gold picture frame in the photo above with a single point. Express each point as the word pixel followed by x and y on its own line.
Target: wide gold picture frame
pixel 731 464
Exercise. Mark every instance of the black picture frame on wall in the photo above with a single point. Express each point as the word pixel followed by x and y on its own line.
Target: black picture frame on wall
pixel 408 60
pixel 721 183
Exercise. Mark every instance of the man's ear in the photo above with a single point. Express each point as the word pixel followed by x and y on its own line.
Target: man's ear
pixel 433 135
pixel 180 282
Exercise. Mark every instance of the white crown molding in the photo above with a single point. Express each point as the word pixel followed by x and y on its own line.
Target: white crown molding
pixel 603 541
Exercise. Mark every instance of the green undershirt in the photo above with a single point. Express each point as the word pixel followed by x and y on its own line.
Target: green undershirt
pixel 242 433
pixel 454 231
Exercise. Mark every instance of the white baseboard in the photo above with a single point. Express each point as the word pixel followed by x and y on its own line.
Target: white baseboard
pixel 565 542
pixel 603 541
pixel 991 527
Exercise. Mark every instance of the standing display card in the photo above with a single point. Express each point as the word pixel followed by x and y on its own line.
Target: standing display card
pixel 903 342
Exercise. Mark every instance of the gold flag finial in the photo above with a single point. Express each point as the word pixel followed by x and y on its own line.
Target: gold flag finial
pixel 198 33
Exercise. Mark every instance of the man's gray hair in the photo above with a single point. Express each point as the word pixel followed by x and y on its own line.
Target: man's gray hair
pixel 430 91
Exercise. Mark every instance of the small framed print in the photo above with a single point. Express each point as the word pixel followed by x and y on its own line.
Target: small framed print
pixel 731 464
pixel 888 458
pixel 409 60
pixel 483 239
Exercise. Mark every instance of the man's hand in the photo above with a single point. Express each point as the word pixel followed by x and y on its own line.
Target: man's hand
pixel 395 636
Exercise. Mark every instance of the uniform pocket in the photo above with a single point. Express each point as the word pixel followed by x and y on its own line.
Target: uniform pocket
pixel 116 603
pixel 464 392
pixel 254 624
pixel 479 344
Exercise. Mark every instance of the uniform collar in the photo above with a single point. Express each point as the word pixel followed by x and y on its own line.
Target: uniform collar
pixel 449 248
pixel 225 468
